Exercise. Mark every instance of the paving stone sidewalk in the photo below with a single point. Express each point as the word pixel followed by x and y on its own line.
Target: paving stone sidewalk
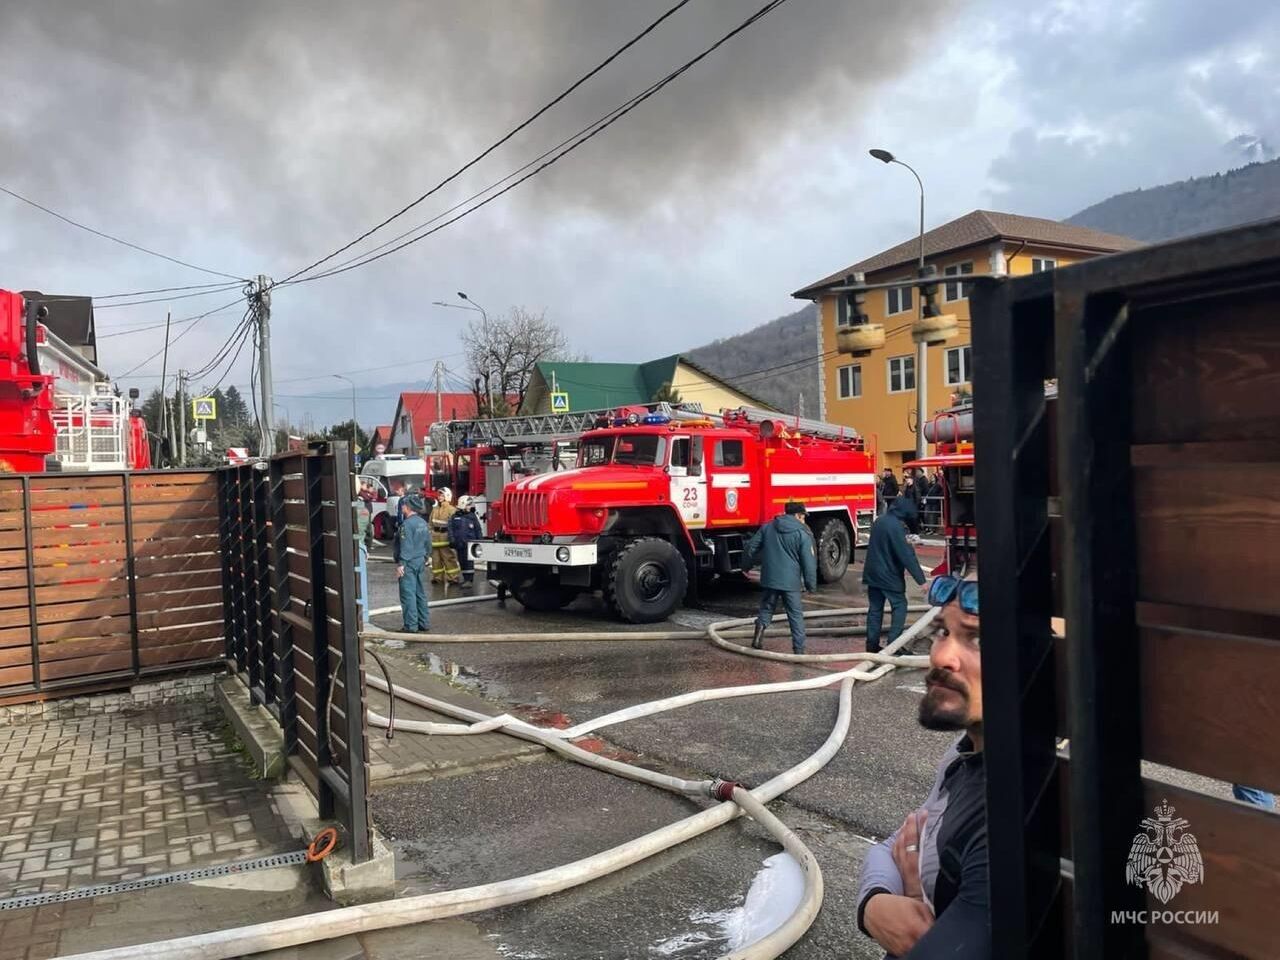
pixel 414 756
pixel 99 799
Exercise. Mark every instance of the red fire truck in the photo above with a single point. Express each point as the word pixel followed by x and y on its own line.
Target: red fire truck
pixel 951 433
pixel 660 502
pixel 57 408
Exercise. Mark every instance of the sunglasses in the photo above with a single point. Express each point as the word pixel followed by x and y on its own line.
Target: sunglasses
pixel 946 588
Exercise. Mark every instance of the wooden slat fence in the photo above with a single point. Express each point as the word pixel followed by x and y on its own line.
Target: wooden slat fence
pixel 288 554
pixel 106 578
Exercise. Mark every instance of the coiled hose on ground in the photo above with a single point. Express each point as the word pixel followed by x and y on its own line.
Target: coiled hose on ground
pixel 735 798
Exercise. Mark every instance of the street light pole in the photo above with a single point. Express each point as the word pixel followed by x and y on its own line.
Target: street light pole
pixel 276 405
pixel 488 371
pixel 354 442
pixel 922 357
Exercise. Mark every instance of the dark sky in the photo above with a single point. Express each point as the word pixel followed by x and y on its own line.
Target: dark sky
pixel 253 137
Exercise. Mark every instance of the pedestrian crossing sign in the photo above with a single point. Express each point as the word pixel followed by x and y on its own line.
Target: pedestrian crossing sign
pixel 204 408
pixel 559 403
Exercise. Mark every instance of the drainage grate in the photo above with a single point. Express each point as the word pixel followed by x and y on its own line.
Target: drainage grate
pixel 158 880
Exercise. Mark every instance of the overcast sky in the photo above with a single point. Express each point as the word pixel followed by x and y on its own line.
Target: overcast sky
pixel 255 136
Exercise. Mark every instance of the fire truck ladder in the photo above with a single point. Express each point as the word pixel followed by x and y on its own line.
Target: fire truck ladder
pixel 814 428
pixel 542 428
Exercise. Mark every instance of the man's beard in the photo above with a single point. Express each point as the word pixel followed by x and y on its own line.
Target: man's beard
pixel 933 714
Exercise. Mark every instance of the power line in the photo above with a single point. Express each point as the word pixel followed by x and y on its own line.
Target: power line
pixel 231 366
pixel 183 296
pixel 612 119
pixel 194 321
pixel 143 329
pixel 377 369
pixel 143 293
pixel 115 239
pixel 497 143
pixel 239 332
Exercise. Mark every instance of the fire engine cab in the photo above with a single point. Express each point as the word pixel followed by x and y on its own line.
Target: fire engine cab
pixel 658 503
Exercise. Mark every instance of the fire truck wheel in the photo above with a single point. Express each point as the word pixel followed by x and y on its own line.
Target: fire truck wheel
pixel 544 594
pixel 646 581
pixel 835 548
pixel 380 527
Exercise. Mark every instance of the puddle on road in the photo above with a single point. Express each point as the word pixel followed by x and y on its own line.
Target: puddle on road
pixel 468 679
pixel 774 895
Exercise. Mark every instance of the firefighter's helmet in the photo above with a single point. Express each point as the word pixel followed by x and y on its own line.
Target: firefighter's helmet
pixel 444 495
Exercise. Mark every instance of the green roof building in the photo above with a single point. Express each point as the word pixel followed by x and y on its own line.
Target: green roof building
pixel 597 386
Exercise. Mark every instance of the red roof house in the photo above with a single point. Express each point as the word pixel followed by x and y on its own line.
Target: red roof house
pixel 416 412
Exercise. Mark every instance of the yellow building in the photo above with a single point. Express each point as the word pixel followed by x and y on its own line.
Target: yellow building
pixel 876 394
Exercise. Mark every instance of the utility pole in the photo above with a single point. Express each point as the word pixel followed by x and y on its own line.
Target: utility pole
pixel 261 299
pixel 182 418
pixel 164 370
pixel 439 391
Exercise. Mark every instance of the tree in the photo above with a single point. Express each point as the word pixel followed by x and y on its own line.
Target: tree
pixel 151 412
pixel 342 431
pixel 666 394
pixel 502 355
pixel 236 413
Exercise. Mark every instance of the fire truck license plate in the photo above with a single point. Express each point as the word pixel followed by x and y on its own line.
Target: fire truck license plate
pixel 543 554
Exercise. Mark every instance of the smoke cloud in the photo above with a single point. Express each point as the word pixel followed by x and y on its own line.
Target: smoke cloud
pixel 294 124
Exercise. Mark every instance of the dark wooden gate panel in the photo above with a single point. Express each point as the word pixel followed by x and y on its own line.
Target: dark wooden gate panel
pixel 1167 362
pixel 292 626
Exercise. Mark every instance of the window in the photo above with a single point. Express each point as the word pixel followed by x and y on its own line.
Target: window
pixel 595 452
pixel 680 452
pixel 849 381
pixel 1039 264
pixel 729 453
pixel 902 374
pixel 898 300
pixel 641 450
pixel 955 290
pixel 958 366
pixel 404 422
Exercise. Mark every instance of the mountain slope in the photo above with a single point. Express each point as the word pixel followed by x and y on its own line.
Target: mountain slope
pixel 785 342
pixel 1189 206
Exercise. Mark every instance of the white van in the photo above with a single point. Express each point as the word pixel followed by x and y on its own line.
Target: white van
pixel 391 475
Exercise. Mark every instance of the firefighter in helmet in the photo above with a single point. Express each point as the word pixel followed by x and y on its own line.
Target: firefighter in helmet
pixel 464 527
pixel 444 559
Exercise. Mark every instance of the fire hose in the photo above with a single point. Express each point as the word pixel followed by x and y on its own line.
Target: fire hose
pixel 735 799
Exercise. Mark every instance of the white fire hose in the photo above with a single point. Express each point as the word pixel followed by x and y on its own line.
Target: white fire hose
pixel 277 934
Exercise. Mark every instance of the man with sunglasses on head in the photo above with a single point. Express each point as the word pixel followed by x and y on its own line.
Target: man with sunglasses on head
pixel 923 891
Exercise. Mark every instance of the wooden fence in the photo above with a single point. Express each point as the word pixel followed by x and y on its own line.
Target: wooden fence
pixel 1163 544
pixel 290 619
pixel 106 578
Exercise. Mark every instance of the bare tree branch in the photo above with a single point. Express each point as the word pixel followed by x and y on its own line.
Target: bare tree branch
pixel 502 358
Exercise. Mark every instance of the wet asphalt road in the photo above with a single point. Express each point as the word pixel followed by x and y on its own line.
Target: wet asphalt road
pixel 492 824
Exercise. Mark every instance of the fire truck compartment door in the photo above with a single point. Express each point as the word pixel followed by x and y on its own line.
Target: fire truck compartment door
pixel 688 487
pixel 735 497
pixel 537 554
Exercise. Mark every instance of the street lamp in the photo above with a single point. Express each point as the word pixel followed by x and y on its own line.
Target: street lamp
pixel 287 418
pixel 355 443
pixel 484 318
pixel 922 386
